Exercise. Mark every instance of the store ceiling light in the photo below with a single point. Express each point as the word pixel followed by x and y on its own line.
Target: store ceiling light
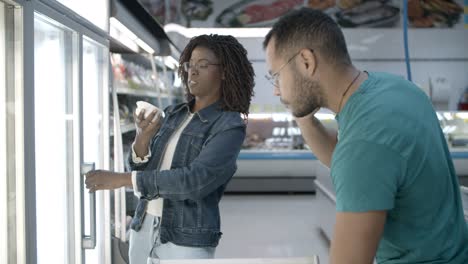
pixel 448 116
pixel 286 117
pixel 144 46
pixel 235 32
pixel 171 62
pixel 325 116
pixel 462 115
pixel 123 29
pixel 127 37
pixel 122 38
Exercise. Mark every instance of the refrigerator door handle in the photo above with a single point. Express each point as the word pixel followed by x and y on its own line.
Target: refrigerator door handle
pixel 88 242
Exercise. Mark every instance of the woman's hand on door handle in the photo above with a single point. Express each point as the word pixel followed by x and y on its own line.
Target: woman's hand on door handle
pixel 107 180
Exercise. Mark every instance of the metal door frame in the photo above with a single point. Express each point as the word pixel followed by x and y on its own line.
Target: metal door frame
pixel 14 39
pixel 26 183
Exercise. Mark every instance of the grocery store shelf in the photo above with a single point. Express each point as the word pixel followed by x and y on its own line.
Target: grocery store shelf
pixel 124 128
pixel 276 155
pixel 127 128
pixel 140 92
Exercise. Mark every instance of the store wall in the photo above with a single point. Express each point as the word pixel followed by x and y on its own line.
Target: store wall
pixel 439 59
pixel 438 56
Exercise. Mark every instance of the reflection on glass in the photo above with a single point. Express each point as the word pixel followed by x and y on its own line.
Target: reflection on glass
pixel 455 128
pixel 269 131
pixel 3 171
pixel 53 59
pixel 11 131
pixel 279 132
pixel 96 15
pixel 94 65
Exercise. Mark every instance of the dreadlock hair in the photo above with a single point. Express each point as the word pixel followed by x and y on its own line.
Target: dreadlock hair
pixel 237 87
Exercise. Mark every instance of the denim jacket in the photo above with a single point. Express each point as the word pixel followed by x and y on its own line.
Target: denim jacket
pixel 204 161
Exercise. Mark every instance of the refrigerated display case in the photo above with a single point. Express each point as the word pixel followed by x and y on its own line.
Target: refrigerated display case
pixel 56 128
pixel 98 14
pixel 274 156
pixel 454 124
pixel 136 77
pixel 96 139
pixel 70 135
pixel 133 79
pixel 135 39
pixel 55 49
pixel 464 194
pixel 455 128
pixel 3 141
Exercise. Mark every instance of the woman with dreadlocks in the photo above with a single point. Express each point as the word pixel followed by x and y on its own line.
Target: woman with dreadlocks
pixel 182 163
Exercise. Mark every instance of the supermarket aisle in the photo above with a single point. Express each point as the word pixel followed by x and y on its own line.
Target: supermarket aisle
pixel 275 226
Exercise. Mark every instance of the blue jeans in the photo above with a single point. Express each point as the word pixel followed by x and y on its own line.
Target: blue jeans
pixel 145 244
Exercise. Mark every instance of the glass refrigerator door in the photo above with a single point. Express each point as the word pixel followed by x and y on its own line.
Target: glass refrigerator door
pixel 69 138
pixel 55 118
pixel 98 14
pixel 11 114
pixel 95 141
pixel 3 141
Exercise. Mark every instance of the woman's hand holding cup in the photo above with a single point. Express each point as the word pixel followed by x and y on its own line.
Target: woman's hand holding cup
pixel 148 120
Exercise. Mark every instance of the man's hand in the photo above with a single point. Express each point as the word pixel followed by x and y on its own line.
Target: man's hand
pixel 321 141
pixel 107 180
pixel 306 118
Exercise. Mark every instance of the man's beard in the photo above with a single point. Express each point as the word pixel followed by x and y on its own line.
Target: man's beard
pixel 307 96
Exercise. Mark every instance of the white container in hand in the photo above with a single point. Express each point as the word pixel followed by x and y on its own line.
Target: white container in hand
pixel 149 108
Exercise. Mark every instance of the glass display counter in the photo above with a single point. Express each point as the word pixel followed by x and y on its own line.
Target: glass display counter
pixel 274 145
pixel 464 194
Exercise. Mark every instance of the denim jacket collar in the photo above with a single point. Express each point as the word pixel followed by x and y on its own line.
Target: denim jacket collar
pixel 207 114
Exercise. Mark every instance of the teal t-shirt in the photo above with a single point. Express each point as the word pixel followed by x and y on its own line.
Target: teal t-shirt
pixel 392 155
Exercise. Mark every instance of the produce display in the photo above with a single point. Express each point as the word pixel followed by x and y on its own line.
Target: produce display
pixel 348 13
pixel 434 13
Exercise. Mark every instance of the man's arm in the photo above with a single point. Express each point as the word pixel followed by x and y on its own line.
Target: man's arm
pixel 318 138
pixel 356 237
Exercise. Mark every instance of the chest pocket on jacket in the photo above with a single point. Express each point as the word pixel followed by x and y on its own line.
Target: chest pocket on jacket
pixel 195 147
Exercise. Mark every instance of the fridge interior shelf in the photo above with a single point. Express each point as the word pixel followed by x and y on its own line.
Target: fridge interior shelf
pixel 125 128
pixel 140 92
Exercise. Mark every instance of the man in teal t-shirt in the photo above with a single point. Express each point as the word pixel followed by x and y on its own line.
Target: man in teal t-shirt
pixel 398 197
pixel 391 155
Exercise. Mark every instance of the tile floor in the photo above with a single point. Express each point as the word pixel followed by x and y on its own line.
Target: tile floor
pixel 275 226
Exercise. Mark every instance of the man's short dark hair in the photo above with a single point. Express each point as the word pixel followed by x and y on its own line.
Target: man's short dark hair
pixel 312 29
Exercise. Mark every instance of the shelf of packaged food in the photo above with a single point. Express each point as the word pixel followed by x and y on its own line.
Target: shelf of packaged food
pixel 259 154
pixel 276 155
pixel 140 92
pixel 278 162
pixel 125 128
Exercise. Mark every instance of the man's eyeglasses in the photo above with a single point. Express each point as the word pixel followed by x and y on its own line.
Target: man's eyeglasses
pixel 197 66
pixel 273 78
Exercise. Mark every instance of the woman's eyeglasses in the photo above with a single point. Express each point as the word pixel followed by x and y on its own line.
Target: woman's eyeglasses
pixel 197 66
